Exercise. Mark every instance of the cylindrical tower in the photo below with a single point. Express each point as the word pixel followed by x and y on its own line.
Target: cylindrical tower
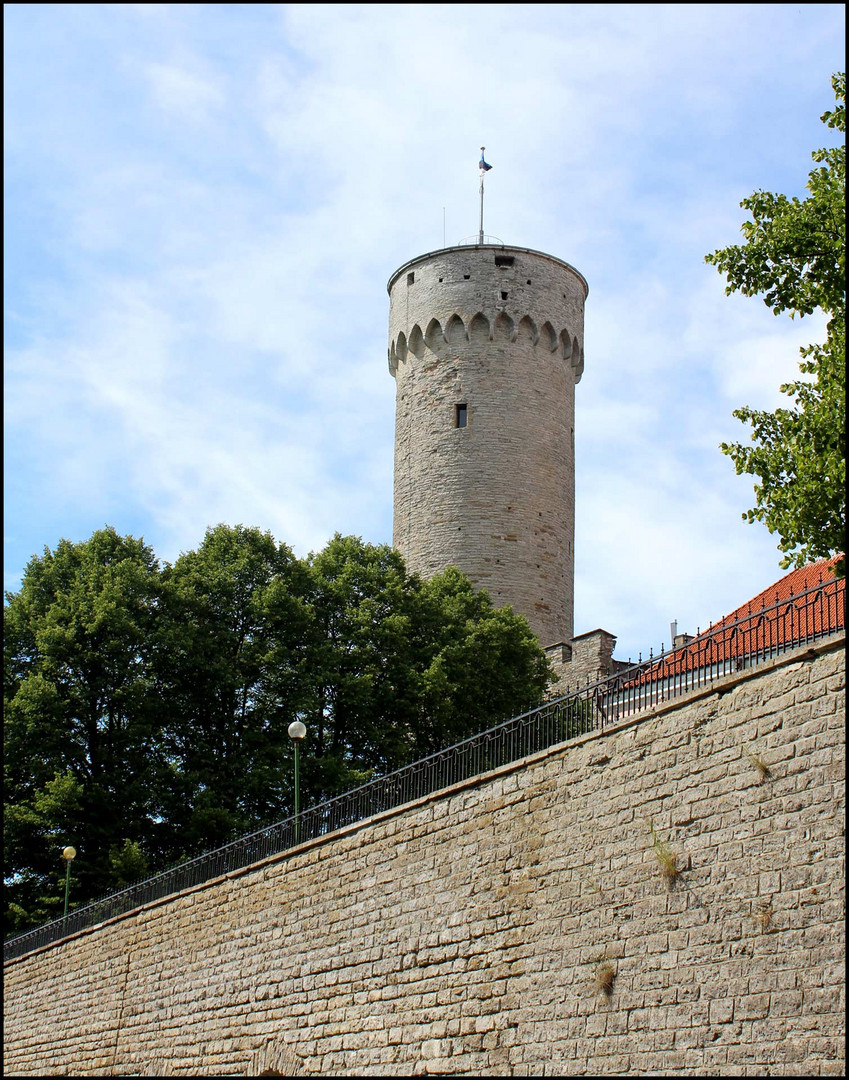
pixel 486 345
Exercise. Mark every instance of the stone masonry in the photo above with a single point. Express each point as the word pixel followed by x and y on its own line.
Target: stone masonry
pixel 585 660
pixel 474 932
pixel 486 345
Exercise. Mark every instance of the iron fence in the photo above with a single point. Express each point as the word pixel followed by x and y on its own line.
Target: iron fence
pixel 816 613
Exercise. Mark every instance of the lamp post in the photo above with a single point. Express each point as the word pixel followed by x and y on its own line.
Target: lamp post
pixel 297 731
pixel 68 854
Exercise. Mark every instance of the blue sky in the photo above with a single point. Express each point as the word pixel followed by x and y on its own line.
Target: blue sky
pixel 204 204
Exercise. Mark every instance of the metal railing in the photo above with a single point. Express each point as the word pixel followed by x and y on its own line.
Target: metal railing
pixel 759 636
pixel 475 241
pixel 730 646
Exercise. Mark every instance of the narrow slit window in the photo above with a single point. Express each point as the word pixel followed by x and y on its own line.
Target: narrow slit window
pixel 461 413
pixel 411 278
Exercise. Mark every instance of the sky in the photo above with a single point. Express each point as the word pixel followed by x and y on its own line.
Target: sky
pixel 204 203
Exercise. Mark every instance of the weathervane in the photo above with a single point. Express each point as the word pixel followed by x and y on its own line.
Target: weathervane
pixel 484 169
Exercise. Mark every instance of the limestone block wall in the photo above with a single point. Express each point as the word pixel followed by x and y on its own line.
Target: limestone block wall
pixel 465 933
pixel 585 660
pixel 497 332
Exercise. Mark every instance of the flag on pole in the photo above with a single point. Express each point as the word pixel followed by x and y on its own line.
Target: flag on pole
pixel 483 170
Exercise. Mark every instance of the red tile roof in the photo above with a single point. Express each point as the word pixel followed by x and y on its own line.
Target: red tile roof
pixel 805 604
pixel 792 584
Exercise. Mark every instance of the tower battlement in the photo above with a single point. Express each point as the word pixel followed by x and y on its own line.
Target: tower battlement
pixel 479 329
pixel 486 346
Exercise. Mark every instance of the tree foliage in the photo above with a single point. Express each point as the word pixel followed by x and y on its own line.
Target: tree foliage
pixel 795 255
pixel 80 718
pixel 147 705
pixel 229 638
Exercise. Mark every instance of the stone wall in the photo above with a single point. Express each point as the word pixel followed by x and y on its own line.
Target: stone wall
pixel 498 331
pixel 466 933
pixel 585 660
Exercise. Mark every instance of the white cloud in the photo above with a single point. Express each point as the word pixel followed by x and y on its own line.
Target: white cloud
pixel 183 93
pixel 204 205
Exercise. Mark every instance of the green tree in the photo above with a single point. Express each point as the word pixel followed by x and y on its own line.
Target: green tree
pixel 129 863
pixel 483 664
pixel 795 255
pixel 400 667
pixel 361 674
pixel 231 639
pixel 81 718
pixel 147 709
pixel 35 832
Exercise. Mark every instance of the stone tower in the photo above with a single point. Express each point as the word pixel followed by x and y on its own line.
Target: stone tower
pixel 486 345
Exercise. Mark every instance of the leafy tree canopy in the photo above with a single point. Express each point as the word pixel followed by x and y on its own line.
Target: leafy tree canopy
pixel 795 255
pixel 80 719
pixel 147 706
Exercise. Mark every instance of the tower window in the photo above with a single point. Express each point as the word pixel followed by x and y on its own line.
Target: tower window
pixel 504 296
pixel 466 277
pixel 411 278
pixel 460 415
pixel 504 260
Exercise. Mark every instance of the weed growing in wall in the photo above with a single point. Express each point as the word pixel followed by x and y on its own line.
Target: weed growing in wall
pixel 759 765
pixel 604 974
pixel 667 860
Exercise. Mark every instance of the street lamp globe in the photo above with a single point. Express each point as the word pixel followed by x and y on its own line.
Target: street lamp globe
pixel 69 853
pixel 297 730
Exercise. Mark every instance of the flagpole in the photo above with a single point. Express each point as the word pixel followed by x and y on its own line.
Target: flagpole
pixel 483 174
